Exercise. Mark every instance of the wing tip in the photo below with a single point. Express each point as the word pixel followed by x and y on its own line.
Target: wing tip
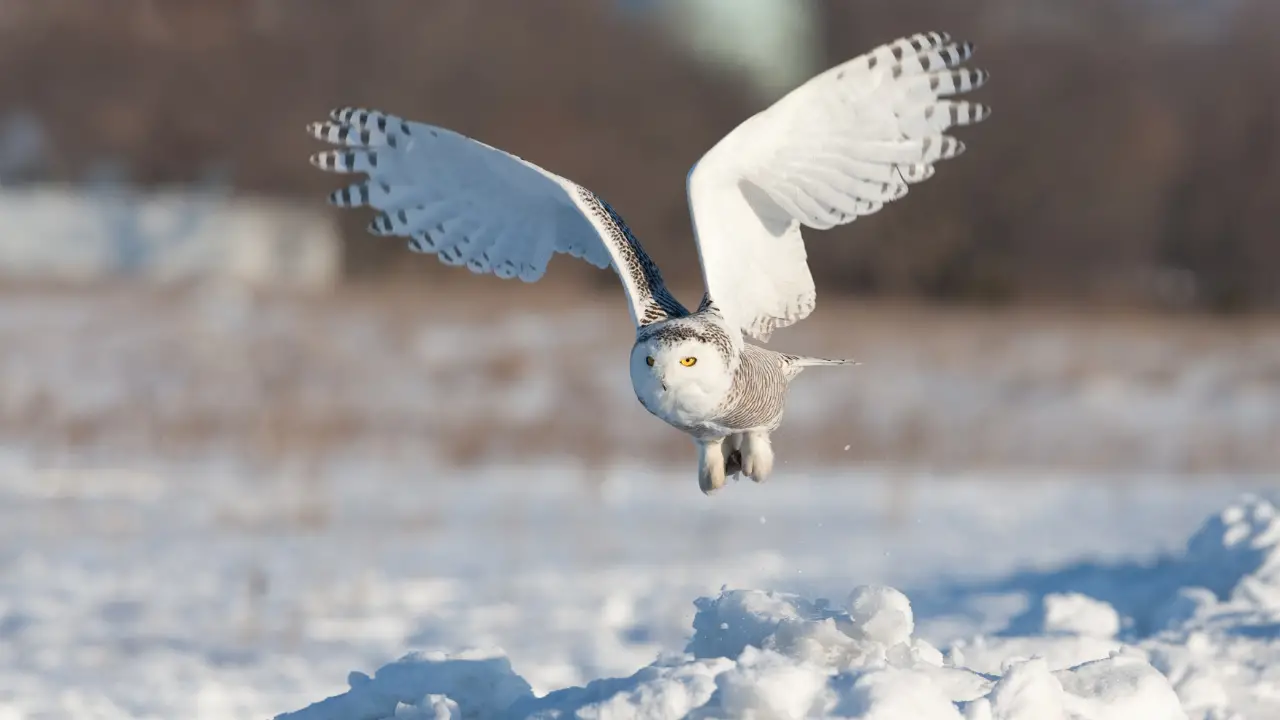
pixel 530 273
pixel 361 127
pixel 323 160
pixel 506 270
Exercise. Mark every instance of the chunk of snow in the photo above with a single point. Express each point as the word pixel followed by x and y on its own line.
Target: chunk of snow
pixel 1120 687
pixel 764 683
pixel 474 684
pixel 1028 691
pixel 882 614
pixel 1077 614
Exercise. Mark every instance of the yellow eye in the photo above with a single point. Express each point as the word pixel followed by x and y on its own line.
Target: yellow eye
pixel 689 361
pixel 649 361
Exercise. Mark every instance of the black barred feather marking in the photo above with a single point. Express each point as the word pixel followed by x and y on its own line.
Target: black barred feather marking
pixel 701 328
pixel 505 270
pixel 368 193
pixel 450 255
pixel 356 195
pixel 897 50
pixel 958 81
pixel 426 241
pixel 955 112
pixel 478 244
pixel 347 161
pixel 655 301
pixel 356 127
pixel 946 148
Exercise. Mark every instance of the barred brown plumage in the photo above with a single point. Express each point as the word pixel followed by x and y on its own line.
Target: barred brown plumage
pixel 758 394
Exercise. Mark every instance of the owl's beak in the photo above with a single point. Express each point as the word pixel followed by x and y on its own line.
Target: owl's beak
pixel 662 379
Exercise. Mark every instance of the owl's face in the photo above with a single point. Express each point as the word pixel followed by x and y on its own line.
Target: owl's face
pixel 682 382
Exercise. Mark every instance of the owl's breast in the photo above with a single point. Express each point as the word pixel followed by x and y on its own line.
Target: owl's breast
pixel 687 408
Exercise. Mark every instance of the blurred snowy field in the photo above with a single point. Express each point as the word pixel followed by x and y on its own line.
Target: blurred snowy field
pixel 461 378
pixel 211 592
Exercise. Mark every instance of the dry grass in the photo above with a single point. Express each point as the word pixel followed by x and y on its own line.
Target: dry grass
pixel 451 376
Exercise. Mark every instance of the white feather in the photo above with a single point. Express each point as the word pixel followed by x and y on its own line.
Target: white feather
pixel 836 148
pixel 472 204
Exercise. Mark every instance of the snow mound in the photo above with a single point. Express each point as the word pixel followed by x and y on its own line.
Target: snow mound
pixel 1079 614
pixel 757 654
pixel 1208 618
pixel 1192 636
pixel 1220 642
pixel 1236 554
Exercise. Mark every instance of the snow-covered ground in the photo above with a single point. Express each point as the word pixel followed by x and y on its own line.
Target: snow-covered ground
pixel 214 591
pixel 219 503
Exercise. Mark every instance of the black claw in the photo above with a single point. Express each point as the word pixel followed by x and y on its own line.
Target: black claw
pixel 733 464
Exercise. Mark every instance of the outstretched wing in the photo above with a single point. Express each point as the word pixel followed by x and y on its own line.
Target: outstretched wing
pixel 474 205
pixel 838 147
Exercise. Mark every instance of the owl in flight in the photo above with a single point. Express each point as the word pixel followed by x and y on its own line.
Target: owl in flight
pixel 839 146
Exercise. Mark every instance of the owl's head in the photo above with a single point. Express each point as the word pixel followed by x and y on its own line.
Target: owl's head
pixel 683 365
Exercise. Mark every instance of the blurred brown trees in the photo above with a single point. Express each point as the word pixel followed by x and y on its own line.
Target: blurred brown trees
pixel 1133 156
pixel 1128 160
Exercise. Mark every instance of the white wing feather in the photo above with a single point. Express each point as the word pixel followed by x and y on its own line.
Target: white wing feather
pixel 472 204
pixel 836 148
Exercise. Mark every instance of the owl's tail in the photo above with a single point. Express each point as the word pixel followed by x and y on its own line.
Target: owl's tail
pixel 802 361
pixel 796 363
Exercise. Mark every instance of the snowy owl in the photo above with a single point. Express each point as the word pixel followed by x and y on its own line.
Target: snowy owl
pixel 839 146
